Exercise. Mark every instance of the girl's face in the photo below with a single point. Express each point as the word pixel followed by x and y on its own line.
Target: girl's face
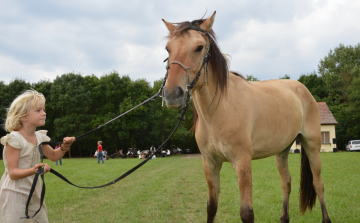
pixel 36 116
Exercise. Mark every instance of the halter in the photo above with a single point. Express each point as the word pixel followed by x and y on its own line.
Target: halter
pixel 205 57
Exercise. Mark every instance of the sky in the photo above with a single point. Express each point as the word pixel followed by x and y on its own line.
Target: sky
pixel 42 39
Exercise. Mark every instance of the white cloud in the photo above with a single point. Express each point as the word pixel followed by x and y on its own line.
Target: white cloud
pixel 266 39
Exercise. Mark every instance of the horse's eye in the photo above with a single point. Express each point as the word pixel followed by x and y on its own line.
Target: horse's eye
pixel 199 49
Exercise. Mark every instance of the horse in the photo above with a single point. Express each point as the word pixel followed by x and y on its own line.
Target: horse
pixel 238 121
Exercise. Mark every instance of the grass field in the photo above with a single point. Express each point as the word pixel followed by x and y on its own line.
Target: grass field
pixel 174 189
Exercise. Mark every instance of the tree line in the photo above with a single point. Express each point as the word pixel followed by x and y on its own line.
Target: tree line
pixel 76 104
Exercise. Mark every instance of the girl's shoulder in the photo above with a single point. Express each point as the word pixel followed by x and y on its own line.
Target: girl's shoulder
pixel 14 139
pixel 42 136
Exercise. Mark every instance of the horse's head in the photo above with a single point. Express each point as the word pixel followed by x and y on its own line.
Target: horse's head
pixel 187 47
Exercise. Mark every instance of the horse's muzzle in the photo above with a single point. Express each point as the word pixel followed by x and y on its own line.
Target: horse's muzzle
pixel 174 99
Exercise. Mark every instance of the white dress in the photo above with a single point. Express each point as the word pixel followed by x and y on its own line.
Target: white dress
pixel 14 193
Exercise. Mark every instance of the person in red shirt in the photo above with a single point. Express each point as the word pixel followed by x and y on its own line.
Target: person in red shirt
pixel 100 152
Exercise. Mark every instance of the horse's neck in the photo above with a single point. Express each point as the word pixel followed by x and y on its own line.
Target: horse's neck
pixel 206 100
pixel 213 106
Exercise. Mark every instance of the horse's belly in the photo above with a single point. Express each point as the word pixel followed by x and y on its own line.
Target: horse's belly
pixel 263 150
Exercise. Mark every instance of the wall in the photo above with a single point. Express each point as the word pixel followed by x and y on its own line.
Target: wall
pixel 324 147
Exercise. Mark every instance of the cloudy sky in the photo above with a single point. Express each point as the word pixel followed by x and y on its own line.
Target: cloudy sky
pixel 42 39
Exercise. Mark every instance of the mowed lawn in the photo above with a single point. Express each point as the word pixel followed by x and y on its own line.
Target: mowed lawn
pixel 174 189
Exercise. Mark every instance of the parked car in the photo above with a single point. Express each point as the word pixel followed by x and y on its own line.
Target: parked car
pixel 353 145
pixel 187 151
pixel 176 150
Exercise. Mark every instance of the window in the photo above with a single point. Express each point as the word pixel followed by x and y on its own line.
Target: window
pixel 325 137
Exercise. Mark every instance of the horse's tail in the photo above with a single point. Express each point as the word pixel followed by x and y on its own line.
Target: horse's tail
pixel 307 190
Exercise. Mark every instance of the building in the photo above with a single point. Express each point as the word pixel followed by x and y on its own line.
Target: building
pixel 328 136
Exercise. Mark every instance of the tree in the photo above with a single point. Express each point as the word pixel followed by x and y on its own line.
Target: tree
pixel 338 69
pixel 138 91
pixel 251 78
pixel 108 93
pixel 71 102
pixel 352 110
pixel 315 84
pixel 286 76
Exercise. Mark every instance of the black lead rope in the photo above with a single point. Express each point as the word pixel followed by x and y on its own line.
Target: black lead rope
pixel 40 171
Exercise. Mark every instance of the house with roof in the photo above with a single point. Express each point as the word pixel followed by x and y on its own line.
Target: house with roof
pixel 328 135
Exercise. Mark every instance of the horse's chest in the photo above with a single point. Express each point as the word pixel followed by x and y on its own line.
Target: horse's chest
pixel 214 144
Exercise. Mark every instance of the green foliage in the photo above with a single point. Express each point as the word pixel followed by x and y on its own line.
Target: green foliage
pixel 286 76
pixel 251 78
pixel 338 69
pixel 315 84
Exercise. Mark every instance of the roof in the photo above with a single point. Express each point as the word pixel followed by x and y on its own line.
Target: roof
pixel 326 117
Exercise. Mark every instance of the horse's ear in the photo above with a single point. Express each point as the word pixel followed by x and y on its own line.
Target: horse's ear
pixel 169 26
pixel 207 24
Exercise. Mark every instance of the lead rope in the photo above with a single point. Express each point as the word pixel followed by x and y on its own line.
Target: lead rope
pixel 40 171
pixel 189 88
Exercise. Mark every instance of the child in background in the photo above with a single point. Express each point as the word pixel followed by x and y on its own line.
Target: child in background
pixel 21 157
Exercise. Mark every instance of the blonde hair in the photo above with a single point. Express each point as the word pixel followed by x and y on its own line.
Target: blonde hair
pixel 100 142
pixel 20 107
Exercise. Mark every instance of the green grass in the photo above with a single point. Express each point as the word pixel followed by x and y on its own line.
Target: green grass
pixel 174 189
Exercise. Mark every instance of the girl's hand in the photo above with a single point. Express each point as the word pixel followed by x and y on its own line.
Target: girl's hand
pixel 46 168
pixel 67 142
pixel 37 166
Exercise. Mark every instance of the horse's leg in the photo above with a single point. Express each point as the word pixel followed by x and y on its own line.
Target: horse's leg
pixel 212 173
pixel 312 149
pixel 242 167
pixel 282 165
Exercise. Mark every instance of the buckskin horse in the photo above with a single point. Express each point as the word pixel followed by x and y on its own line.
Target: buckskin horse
pixel 238 121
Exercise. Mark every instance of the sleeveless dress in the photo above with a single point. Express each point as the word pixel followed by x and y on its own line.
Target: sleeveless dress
pixel 14 193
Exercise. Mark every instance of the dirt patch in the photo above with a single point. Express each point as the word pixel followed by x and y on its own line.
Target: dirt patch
pixel 193 156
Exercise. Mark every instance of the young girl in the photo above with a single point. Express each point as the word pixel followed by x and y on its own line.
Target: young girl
pixel 21 157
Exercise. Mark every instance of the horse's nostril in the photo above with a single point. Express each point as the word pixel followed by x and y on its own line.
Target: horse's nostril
pixel 180 92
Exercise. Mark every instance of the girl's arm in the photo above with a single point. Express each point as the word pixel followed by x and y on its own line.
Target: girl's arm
pixel 12 157
pixel 57 154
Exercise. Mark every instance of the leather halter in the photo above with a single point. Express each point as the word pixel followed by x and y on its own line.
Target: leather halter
pixel 205 57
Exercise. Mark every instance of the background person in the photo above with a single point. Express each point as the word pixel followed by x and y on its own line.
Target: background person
pixel 105 156
pixel 121 154
pixel 100 152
